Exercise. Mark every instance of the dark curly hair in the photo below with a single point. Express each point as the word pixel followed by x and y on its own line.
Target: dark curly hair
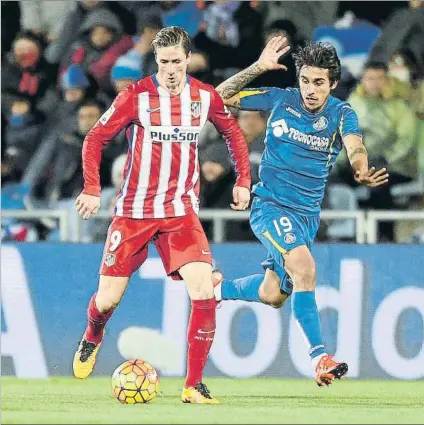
pixel 319 55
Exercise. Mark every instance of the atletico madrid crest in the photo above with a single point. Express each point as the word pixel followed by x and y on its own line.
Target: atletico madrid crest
pixel 110 259
pixel 195 109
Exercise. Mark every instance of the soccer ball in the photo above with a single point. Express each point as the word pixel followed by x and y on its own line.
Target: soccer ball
pixel 135 381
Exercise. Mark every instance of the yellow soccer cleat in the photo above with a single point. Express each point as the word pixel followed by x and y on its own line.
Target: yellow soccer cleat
pixel 85 358
pixel 198 395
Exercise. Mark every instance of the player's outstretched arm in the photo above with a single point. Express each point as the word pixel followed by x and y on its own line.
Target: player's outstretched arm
pixel 358 158
pixel 116 118
pixel 229 89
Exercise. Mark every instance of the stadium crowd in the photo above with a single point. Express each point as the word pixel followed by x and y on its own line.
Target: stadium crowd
pixel 64 62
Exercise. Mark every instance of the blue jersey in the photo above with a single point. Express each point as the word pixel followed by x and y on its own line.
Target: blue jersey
pixel 300 147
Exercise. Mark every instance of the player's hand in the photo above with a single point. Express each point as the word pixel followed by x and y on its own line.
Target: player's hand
pixel 275 48
pixel 372 178
pixel 241 198
pixel 87 205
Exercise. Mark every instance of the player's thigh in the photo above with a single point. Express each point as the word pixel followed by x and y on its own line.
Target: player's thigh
pixel 126 246
pixel 197 276
pixel 181 241
pixel 280 230
pixel 300 265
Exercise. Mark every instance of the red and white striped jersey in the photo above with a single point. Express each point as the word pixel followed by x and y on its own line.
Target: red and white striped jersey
pixel 161 176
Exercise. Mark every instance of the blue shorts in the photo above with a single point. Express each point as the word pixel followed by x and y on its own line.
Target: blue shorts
pixel 280 229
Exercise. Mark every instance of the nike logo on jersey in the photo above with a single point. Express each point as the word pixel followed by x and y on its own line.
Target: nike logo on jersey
pixel 205 252
pixel 201 331
pixel 149 111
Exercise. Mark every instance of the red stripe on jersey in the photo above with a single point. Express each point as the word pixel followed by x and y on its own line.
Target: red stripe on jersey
pixel 192 165
pixel 135 171
pixel 176 159
pixel 148 208
pixel 176 110
pixel 155 164
pixel 195 97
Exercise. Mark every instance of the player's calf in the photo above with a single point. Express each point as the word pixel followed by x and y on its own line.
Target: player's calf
pixel 272 297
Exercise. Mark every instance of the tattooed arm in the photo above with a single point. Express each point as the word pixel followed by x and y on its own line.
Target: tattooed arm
pixel 358 158
pixel 229 89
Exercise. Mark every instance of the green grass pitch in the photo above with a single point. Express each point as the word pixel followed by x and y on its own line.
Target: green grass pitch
pixel 248 401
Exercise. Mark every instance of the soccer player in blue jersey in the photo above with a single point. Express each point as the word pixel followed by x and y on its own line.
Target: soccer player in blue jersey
pixel 307 128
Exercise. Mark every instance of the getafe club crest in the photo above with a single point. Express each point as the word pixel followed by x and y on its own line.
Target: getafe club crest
pixel 195 109
pixel 320 124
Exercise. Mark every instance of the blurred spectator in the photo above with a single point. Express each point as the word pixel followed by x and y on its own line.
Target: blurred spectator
pixel 346 84
pixel 218 174
pixel 66 177
pixel 22 135
pixel 353 39
pixel 139 62
pixel 184 14
pixel 126 71
pixel 216 162
pixel 305 15
pixel 76 88
pixel 404 29
pixel 220 24
pixel 389 130
pixel 225 57
pixel 25 71
pixel 403 67
pixel 280 78
pixel 370 10
pixel 253 125
pixel 100 44
pixel 45 17
pixel 388 124
pixel 71 27
pixel 10 24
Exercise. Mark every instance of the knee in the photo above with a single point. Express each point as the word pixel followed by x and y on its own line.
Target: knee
pixel 201 289
pixel 304 277
pixel 107 299
pixel 274 297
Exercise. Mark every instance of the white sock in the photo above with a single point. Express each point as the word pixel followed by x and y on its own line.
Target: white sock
pixel 316 360
pixel 217 292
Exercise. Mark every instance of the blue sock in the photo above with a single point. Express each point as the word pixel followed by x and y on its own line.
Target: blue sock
pixel 245 288
pixel 305 311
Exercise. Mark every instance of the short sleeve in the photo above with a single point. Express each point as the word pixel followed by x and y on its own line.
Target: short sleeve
pixel 349 122
pixel 261 99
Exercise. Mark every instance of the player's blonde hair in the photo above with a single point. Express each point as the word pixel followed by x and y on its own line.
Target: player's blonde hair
pixel 171 36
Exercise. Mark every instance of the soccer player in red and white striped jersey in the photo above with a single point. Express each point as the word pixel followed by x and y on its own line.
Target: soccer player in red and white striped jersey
pixel 159 200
